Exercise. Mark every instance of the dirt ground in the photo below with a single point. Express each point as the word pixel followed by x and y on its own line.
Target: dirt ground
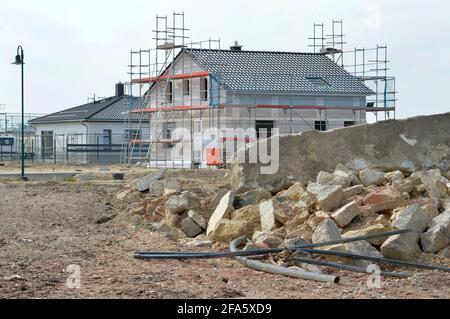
pixel 45 227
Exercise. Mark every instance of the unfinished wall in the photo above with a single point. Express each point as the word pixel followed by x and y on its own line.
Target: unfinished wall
pixel 412 144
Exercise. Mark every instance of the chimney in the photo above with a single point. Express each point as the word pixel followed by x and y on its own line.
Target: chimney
pixel 236 47
pixel 120 89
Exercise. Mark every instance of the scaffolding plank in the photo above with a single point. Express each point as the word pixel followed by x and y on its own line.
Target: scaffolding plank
pixel 173 108
pixel 172 77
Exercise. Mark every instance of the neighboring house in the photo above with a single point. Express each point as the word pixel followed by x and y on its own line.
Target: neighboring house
pixel 234 88
pixel 90 129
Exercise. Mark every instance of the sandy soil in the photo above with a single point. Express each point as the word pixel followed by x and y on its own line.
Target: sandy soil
pixel 45 227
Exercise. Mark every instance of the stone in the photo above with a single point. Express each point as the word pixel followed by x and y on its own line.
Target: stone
pixel 190 227
pixel 216 199
pixel 292 193
pixel 373 229
pixel 160 227
pixel 342 170
pixel 253 197
pixel 198 219
pixel 325 178
pixel 445 253
pixel 180 203
pixel 303 231
pixel 297 220
pixel 248 214
pixel 267 216
pixel 173 220
pixel 371 177
pixel 156 189
pixel 401 247
pixel 326 231
pixel 85 177
pixel 353 191
pixel 387 206
pixel 136 209
pixel 344 215
pixel 307 200
pixel 171 186
pixel 362 248
pixel 436 184
pixel 175 234
pixel 438 235
pixel 123 194
pixel 143 183
pixel 384 195
pixel 395 176
pixel 200 243
pixel 412 217
pixel 227 230
pixel 223 210
pixel 329 197
pixel 431 207
pixel 267 239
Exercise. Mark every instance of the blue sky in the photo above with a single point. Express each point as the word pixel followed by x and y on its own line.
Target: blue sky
pixel 77 48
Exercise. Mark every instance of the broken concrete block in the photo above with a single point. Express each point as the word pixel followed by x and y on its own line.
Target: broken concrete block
pixel 267 215
pixel 292 193
pixel 227 230
pixel 374 229
pixel 371 177
pixel 180 203
pixel 143 183
pixel 223 210
pixel 438 235
pixel 344 215
pixel 325 178
pixel 248 214
pixel 326 231
pixel 190 227
pixel 329 197
pixel 353 191
pixel 253 197
pixel 156 189
pixel 171 186
pixel 197 218
pixel 412 217
pixel 401 247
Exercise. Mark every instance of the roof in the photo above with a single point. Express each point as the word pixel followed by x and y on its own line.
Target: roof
pixel 288 72
pixel 109 109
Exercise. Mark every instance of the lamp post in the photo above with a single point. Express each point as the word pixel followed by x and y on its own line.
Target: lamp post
pixel 20 61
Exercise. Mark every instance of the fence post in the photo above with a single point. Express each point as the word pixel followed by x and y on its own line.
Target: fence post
pixel 98 143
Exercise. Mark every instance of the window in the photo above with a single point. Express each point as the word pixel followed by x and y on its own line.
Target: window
pixel 132 134
pixel 317 81
pixel 186 87
pixel 168 129
pixel 204 89
pixel 169 92
pixel 264 129
pixel 320 125
pixel 349 123
pixel 47 144
pixel 107 138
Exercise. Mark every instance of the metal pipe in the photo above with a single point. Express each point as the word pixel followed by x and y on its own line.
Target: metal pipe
pixel 346 267
pixel 377 259
pixel 254 252
pixel 258 265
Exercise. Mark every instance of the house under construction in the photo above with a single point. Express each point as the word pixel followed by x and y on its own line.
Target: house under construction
pixel 191 90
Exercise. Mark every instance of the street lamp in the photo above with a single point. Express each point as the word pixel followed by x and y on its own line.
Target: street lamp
pixel 20 61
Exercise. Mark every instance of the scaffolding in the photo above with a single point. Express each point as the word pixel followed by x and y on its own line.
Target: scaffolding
pixel 160 120
pixel 370 65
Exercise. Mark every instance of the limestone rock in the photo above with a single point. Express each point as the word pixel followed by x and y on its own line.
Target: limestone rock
pixel 181 203
pixel 156 189
pixel 362 248
pixel 223 210
pixel 379 196
pixel 353 191
pixel 136 209
pixel 123 194
pixel 267 239
pixel 171 186
pixel 395 176
pixel 252 197
pixel 197 242
pixel 216 199
pixel 401 247
pixel 143 184
pixel 190 227
pixel 438 235
pixel 329 197
pixel 325 178
pixel 371 177
pixel 412 217
pixel 248 214
pixel 435 183
pixel 445 253
pixel 267 215
pixel 344 215
pixel 298 220
pixel 326 231
pixel 197 218
pixel 292 193
pixel 227 230
pixel 373 229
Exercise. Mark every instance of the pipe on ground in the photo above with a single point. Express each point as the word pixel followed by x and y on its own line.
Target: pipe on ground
pixel 258 265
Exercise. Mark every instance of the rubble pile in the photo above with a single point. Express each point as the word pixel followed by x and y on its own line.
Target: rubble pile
pixel 339 204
